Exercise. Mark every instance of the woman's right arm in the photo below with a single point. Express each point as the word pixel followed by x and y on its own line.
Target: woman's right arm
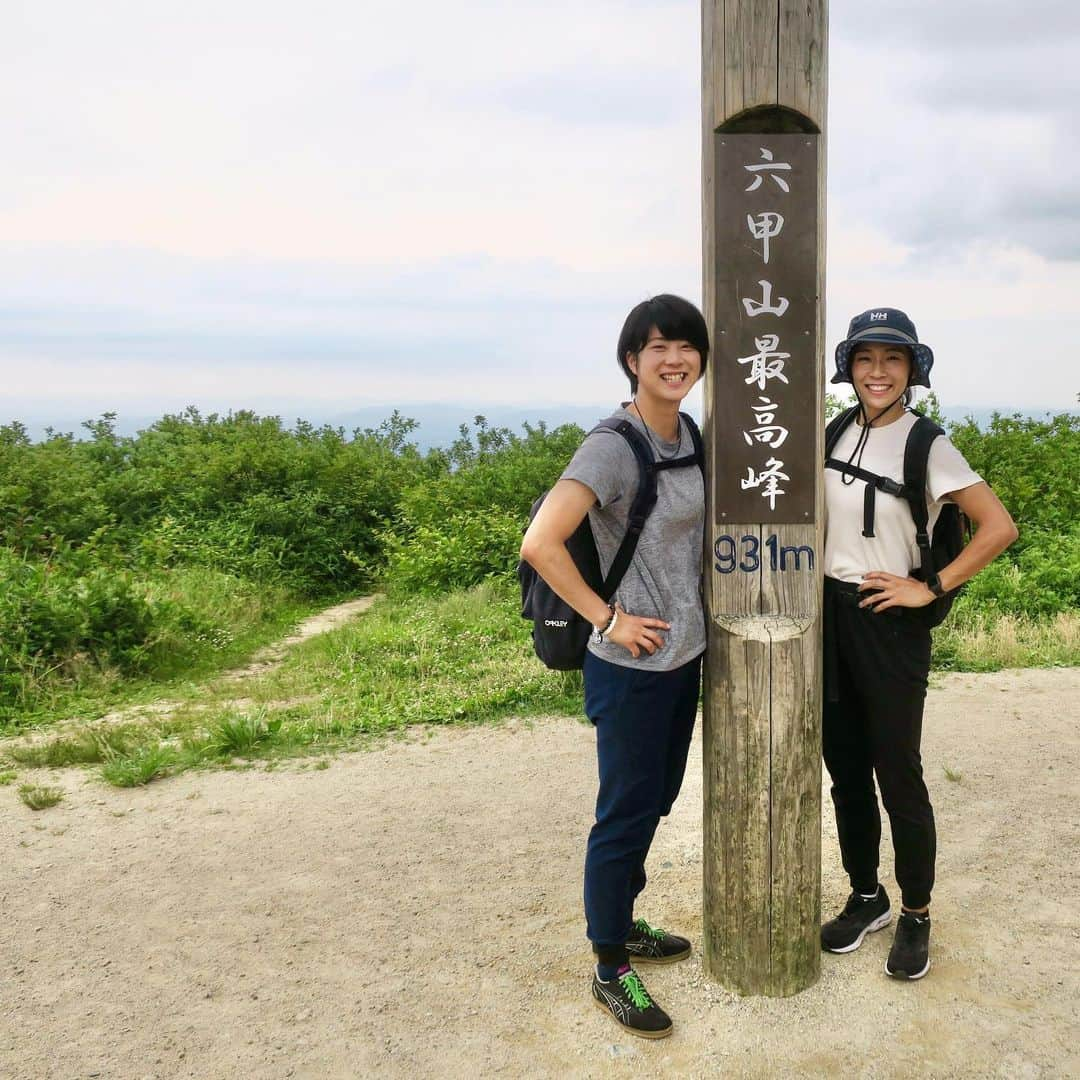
pixel 544 548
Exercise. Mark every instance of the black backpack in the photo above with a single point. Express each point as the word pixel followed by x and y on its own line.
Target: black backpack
pixel 949 530
pixel 560 635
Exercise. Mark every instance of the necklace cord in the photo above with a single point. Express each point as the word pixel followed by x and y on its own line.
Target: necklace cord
pixel 649 434
pixel 864 436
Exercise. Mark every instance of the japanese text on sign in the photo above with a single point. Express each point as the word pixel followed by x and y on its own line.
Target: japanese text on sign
pixel 766 226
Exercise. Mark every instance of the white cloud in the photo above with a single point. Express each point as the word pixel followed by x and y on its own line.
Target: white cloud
pixel 251 201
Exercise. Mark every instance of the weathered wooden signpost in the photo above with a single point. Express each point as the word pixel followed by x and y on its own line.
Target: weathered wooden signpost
pixel 763 106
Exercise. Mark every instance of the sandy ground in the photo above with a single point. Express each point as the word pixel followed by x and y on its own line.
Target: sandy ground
pixel 414 911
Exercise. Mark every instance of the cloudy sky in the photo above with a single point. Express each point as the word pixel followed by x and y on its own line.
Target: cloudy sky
pixel 338 204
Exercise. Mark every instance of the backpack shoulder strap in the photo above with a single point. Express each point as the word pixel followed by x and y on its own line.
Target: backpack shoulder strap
pixel 640 508
pixel 837 426
pixel 696 458
pixel 916 458
pixel 695 436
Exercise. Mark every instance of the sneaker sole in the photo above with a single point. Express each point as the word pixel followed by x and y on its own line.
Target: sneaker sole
pixel 663 1034
pixel 878 924
pixel 639 958
pixel 903 976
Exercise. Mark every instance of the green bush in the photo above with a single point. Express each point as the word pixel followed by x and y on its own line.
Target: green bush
pixel 64 625
pixel 147 556
pixel 1033 467
pixel 462 551
pixel 241 493
pixel 463 524
pixel 1043 578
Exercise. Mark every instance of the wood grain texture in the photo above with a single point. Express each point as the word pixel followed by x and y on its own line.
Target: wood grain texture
pixel 736 891
pixel 762 734
pixel 802 78
pixel 795 812
pixel 750 54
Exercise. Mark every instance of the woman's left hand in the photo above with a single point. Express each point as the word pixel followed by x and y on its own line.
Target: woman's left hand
pixel 892 591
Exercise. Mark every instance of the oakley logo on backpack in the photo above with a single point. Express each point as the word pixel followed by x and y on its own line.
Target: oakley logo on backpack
pixel 556 622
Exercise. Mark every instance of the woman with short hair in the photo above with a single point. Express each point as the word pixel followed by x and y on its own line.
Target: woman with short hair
pixel 642 670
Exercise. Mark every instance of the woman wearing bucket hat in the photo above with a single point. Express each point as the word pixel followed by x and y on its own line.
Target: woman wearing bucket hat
pixel 877 632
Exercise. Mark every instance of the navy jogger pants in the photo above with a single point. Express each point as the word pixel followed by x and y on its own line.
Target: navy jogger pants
pixel 644 721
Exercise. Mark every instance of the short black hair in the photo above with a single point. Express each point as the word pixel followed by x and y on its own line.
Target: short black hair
pixel 676 319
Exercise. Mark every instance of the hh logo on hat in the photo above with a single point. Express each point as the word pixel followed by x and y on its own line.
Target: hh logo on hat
pixel 878 315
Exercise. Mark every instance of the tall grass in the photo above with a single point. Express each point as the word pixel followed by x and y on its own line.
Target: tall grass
pixel 465 656
pixel 62 656
pixel 979 641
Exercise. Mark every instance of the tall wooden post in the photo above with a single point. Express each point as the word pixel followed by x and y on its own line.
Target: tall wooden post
pixel 763 112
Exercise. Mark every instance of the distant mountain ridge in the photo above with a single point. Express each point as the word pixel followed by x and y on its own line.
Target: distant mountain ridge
pixel 438 423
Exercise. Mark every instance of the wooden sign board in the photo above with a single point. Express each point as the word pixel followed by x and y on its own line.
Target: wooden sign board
pixel 765 337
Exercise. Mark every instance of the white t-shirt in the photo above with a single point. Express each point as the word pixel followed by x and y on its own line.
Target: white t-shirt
pixel 848 554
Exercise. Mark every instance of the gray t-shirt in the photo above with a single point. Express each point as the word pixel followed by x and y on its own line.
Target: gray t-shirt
pixel 663 580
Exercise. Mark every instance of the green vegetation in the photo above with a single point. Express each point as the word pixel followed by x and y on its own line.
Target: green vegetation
pixel 129 561
pixel 139 567
pixel 38 797
pixel 462 657
pixel 139 766
pixel 459 658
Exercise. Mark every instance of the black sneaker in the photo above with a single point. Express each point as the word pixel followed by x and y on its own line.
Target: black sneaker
pixel 909 957
pixel 651 945
pixel 626 998
pixel 860 917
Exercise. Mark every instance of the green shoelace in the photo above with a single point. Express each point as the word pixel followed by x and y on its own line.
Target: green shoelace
pixel 635 991
pixel 643 927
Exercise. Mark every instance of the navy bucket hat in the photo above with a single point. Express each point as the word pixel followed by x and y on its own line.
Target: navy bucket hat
pixel 888 326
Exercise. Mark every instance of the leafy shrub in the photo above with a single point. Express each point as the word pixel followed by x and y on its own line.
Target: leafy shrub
pixel 1043 578
pixel 464 524
pixel 241 493
pixel 63 624
pixel 461 551
pixel 1033 466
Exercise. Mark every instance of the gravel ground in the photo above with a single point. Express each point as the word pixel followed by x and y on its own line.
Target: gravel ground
pixel 414 911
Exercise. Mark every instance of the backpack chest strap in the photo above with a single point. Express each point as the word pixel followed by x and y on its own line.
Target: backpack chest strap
pixel 874 484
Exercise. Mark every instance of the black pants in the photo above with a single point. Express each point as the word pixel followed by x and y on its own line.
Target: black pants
pixel 876 666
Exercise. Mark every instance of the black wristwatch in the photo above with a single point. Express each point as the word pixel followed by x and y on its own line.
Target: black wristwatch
pixel 933 583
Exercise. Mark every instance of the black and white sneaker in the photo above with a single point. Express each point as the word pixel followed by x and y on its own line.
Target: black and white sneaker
pixel 626 998
pixel 860 917
pixel 651 945
pixel 909 957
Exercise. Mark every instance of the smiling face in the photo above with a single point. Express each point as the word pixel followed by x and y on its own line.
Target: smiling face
pixel 880 375
pixel 665 370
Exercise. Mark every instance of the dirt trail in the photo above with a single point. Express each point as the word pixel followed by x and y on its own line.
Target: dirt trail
pixel 414 911
pixel 271 656
pixel 261 663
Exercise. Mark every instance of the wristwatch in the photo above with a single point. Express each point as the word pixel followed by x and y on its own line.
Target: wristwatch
pixel 933 583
